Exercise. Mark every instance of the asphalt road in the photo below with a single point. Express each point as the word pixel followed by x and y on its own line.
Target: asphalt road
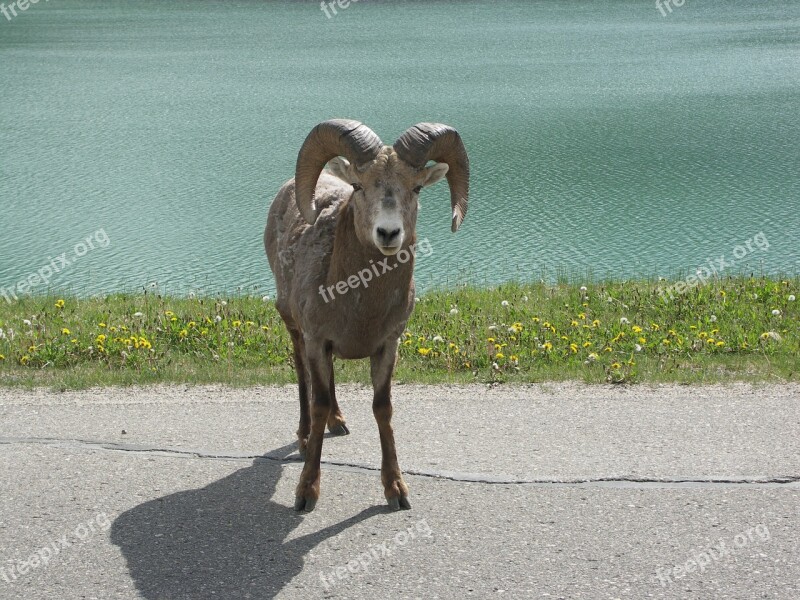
pixel 546 491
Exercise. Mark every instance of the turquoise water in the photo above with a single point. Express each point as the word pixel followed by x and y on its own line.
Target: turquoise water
pixel 605 138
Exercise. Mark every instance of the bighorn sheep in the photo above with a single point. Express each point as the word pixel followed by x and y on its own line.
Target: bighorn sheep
pixel 325 229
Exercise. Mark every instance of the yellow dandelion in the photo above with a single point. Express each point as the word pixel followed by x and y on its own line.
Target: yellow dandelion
pixel 65 331
pixel 174 319
pixel 582 315
pixel 573 323
pixel 100 339
pixel 574 348
pixel 607 349
pixel 263 328
pixel 702 335
pixel 191 324
pixel 499 355
pixel 184 333
pixel 616 365
pixel 101 325
pixel 642 340
pixel 720 344
pixel 74 341
pixel 587 344
pixel 490 340
pixel 547 346
pixel 112 329
pixel 2 357
pixel 24 360
pixel 654 326
pixel 59 304
pixel 666 342
pixel 424 351
pixel 169 313
pixel 637 329
pixel 237 323
pixel 513 358
pixel 535 319
pixel 596 323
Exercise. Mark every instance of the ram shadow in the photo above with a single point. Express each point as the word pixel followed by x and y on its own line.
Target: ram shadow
pixel 225 540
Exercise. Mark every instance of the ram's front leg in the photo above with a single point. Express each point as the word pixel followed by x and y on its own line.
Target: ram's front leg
pixel 320 366
pixel 382 367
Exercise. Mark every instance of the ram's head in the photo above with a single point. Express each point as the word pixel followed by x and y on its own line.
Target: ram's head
pixel 386 180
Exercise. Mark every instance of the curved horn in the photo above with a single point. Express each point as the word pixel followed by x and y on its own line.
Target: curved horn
pixel 440 143
pixel 337 137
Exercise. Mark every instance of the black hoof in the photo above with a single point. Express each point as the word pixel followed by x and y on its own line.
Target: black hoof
pixel 302 504
pixel 399 503
pixel 339 430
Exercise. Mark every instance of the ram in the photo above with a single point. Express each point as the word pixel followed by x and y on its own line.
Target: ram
pixel 324 232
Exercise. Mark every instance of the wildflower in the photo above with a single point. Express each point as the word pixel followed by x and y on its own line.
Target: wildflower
pixel 499 355
pixel 2 334
pixel 607 349
pixel 573 348
pixel 535 319
pixel 524 298
pixel 101 325
pixel 791 298
pixel 183 334
pixel 74 341
pixel 100 339
pixel 654 326
pixel 665 342
pixel 504 303
pixel 138 315
pixel 573 323
pixel 592 357
pixel 583 288
pixel 587 344
pixel 169 313
pixel 192 324
pixel 2 357
pixel 515 328
pixel 513 358
pixel 720 344
pixel 424 351
pixel 771 335
pixel 26 322
pixel 642 340
pixel 453 311
pixel 263 328
pixel 623 321
pixel 223 303
pixel 596 323
pixel 616 365
pixel 24 360
pixel 638 348
pixel 265 298
pixel 407 343
pixel 112 329
pixel 237 323
pixel 490 340
pixel 217 319
pixel 547 346
pixel 59 304
pixel 776 313
pixel 712 318
pixel 65 331
pixel 249 323
pixel 637 329
pixel 438 338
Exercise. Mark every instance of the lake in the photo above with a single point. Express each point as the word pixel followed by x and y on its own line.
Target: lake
pixel 607 138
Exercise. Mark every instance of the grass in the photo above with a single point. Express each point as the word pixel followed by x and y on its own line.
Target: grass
pixel 734 329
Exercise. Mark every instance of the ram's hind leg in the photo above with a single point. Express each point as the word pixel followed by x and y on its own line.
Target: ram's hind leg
pixel 382 368
pixel 304 429
pixel 336 424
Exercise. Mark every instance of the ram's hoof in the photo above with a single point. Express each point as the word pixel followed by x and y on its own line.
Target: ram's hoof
pixel 340 429
pixel 398 503
pixel 303 504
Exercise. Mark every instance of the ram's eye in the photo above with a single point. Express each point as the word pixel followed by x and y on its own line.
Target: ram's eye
pixel 356 186
pixel 417 189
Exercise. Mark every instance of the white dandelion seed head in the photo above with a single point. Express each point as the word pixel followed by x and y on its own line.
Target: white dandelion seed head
pixel 265 298
pixel 791 298
pixel 26 322
pixel 713 318
pixel 438 338
pixel 492 327
pixel 583 288
pixel 453 311
pixel 504 303
pixel 138 315
pixel 638 348
pixel 776 313
pixel 217 319
pixel 623 321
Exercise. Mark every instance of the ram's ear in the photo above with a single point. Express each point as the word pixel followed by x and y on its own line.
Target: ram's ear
pixel 341 168
pixel 435 173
